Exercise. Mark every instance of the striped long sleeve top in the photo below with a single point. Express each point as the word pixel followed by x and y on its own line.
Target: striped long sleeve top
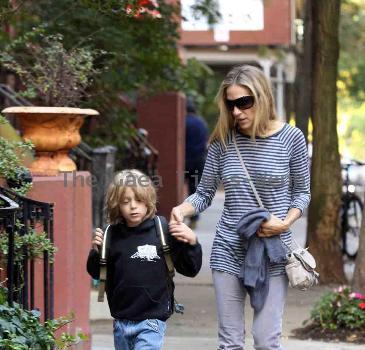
pixel 278 165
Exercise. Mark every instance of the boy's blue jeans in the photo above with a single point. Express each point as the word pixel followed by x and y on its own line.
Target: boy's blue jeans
pixel 139 335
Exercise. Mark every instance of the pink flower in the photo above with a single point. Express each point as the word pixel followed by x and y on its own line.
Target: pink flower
pixel 356 296
pixel 341 289
pixel 144 7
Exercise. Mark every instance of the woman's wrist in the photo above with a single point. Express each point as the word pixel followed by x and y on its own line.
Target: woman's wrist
pixel 293 215
pixel 287 224
pixel 186 209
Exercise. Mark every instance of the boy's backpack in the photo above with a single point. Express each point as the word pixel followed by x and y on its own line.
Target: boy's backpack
pixel 165 247
pixel 166 251
pixel 102 263
pixel 161 229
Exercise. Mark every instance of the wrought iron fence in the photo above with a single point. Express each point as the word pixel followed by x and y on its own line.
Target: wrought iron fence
pixel 19 216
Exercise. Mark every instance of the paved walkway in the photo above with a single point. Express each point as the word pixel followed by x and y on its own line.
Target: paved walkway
pixel 197 328
pixel 102 342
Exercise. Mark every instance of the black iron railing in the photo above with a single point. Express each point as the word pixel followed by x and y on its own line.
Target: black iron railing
pixel 140 154
pixel 21 215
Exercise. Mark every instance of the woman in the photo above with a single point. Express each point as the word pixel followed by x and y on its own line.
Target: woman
pixel 275 155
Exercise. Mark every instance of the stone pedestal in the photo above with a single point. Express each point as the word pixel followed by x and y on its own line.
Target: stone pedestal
pixel 163 116
pixel 71 195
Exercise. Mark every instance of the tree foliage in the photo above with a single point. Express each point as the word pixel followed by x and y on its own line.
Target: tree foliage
pixel 142 50
pixel 352 40
pixel 140 38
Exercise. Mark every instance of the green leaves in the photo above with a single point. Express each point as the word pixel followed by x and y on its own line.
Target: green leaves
pixel 352 40
pixel 21 329
pixel 208 9
pixel 11 160
pixel 33 244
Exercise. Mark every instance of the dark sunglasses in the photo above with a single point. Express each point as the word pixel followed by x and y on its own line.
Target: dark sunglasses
pixel 242 103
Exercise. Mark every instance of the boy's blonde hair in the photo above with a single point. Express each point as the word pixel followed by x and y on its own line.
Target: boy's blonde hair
pixel 258 84
pixel 142 187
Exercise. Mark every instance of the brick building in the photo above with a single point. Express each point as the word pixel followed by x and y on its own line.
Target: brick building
pixel 258 32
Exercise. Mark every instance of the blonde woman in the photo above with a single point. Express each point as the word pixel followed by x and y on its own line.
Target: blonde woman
pixel 138 287
pixel 275 156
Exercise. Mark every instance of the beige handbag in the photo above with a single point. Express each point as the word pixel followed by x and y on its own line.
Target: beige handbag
pixel 300 269
pixel 301 264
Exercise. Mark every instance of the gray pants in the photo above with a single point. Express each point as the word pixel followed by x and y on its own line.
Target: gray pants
pixel 267 323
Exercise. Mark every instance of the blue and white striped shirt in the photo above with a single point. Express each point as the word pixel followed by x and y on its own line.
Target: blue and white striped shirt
pixel 278 165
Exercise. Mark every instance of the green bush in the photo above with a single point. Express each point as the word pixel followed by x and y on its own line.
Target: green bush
pixel 22 330
pixel 340 308
pixel 11 166
pixel 52 75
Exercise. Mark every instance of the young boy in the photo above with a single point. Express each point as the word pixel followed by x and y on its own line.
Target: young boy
pixel 138 288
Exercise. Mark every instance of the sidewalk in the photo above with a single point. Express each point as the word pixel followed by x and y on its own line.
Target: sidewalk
pixel 197 328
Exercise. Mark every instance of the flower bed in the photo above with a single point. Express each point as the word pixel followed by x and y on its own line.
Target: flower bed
pixel 338 316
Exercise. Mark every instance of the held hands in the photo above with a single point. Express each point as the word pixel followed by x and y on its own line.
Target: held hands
pixel 176 216
pixel 182 232
pixel 97 241
pixel 273 226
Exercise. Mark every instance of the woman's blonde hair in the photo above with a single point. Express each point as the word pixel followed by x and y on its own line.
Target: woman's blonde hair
pixel 140 184
pixel 259 86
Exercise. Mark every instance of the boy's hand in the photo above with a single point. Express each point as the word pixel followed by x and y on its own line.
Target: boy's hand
pixel 183 233
pixel 98 238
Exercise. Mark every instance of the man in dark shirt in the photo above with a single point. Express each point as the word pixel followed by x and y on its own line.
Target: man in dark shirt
pixel 195 151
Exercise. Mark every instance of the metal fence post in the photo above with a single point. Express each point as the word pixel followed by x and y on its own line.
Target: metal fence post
pixel 102 170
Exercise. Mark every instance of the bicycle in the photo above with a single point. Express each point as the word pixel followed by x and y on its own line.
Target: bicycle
pixel 351 214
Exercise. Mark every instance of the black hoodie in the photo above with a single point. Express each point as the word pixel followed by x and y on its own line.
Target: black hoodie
pixel 137 277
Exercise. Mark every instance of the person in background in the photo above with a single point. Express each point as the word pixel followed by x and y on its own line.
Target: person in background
pixel 195 150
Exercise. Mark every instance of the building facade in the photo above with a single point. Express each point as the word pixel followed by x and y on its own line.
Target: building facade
pixel 258 32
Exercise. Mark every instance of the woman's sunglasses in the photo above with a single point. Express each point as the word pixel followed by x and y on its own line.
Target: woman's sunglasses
pixel 242 103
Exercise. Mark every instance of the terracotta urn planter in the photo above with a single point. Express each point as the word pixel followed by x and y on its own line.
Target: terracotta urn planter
pixel 53 132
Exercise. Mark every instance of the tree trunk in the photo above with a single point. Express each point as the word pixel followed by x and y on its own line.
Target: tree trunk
pixel 324 225
pixel 358 282
pixel 303 79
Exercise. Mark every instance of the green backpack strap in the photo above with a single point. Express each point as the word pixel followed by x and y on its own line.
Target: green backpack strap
pixel 103 264
pixel 165 247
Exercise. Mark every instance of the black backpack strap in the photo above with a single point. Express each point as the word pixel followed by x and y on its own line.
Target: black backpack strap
pixel 162 230
pixel 165 246
pixel 103 263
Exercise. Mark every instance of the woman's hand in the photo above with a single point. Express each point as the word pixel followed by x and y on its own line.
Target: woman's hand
pixel 98 238
pixel 176 216
pixel 273 226
pixel 183 233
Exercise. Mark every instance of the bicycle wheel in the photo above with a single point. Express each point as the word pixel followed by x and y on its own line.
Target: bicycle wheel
pixel 352 232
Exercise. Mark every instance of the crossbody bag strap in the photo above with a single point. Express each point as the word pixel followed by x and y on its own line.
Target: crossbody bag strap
pixel 165 247
pixel 103 265
pixel 258 199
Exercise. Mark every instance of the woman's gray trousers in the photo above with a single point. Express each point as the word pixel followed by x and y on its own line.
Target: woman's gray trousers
pixel 267 323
